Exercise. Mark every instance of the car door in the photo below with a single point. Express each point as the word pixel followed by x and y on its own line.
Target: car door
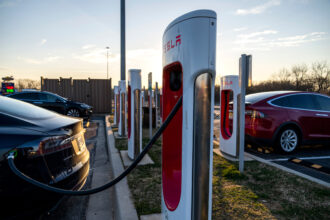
pixel 33 98
pixel 53 103
pixel 304 109
pixel 324 114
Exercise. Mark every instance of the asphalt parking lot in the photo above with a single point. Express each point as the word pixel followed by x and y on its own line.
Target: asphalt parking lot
pixel 313 161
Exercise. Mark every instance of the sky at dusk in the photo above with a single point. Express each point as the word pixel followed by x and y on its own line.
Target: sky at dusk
pixel 63 38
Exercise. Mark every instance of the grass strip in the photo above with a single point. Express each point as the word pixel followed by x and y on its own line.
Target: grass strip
pixel 261 192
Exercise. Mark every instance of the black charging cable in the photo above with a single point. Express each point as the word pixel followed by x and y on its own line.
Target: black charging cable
pixel 13 154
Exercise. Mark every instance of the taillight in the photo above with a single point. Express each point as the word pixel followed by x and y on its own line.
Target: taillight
pixel 46 145
pixel 255 114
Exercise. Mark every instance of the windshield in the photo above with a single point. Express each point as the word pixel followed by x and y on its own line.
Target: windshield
pixel 22 109
pixel 58 96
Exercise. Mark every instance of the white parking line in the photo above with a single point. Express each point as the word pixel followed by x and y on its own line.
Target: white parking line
pixel 301 158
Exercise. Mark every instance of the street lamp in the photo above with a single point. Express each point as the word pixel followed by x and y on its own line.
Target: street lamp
pixel 107 61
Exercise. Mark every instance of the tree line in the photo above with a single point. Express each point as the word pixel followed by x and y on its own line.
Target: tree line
pixel 311 78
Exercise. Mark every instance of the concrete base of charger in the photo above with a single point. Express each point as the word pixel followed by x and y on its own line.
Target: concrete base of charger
pixel 127 161
pixel 117 136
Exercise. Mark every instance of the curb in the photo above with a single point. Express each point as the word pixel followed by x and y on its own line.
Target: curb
pixel 124 206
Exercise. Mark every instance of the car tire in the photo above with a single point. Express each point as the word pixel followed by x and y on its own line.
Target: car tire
pixel 73 112
pixel 288 140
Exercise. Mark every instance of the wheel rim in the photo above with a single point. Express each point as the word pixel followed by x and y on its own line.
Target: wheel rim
pixel 73 113
pixel 289 140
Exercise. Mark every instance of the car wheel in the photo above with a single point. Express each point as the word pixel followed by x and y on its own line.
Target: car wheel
pixel 73 112
pixel 288 140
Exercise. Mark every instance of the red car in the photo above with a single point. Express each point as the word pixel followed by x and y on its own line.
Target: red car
pixel 287 119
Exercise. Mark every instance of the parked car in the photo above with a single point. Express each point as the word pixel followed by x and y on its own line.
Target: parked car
pixel 287 119
pixel 51 149
pixel 55 103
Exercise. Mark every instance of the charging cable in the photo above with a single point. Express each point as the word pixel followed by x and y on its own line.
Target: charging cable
pixel 44 186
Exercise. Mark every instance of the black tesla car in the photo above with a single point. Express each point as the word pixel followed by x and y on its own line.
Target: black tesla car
pixel 55 103
pixel 51 149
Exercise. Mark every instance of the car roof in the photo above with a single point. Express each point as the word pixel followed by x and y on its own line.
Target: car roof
pixel 256 97
pixel 46 92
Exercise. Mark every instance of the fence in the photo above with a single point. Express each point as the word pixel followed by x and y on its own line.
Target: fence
pixel 94 92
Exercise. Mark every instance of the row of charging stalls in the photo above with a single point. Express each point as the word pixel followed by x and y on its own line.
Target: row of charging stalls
pixel 189 44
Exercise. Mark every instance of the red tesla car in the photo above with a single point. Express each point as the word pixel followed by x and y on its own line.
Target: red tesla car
pixel 287 119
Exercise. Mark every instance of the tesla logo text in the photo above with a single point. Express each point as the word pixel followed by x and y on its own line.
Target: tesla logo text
pixel 169 45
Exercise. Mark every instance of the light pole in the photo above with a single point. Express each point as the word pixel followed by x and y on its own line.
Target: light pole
pixel 107 61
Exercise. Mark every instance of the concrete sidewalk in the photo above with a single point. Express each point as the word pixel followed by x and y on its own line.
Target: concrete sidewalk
pixel 123 204
pixel 101 205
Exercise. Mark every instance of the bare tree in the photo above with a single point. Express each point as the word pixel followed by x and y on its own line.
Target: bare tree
pixel 27 84
pixel 299 75
pixel 321 76
pixel 283 75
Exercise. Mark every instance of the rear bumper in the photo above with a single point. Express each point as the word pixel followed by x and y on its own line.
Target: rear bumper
pixel 21 198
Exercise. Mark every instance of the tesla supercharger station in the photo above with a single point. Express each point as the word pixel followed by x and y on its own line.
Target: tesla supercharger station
pixel 122 107
pixel 116 98
pixel 189 46
pixel 228 133
pixel 134 107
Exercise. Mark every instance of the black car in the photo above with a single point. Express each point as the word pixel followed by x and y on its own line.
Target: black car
pixel 50 148
pixel 55 103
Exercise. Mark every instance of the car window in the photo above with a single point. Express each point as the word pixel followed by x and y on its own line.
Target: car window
pixel 31 96
pixel 256 97
pixel 47 97
pixel 23 109
pixel 42 97
pixel 19 96
pixel 302 101
pixel 16 96
pixel 324 102
pixel 283 101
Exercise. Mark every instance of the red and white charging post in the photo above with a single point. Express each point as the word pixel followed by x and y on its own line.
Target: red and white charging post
pixel 189 46
pixel 232 138
pixel 134 107
pixel 122 115
pixel 116 98
pixel 228 132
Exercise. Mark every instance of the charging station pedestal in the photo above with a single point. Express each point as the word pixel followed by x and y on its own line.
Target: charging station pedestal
pixel 228 133
pixel 189 46
pixel 116 99
pixel 134 107
pixel 122 114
